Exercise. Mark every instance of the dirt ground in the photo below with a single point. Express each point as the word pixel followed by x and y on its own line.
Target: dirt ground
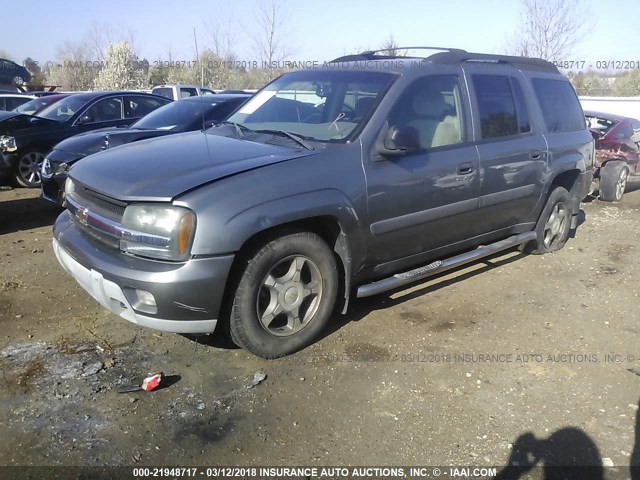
pixel 515 356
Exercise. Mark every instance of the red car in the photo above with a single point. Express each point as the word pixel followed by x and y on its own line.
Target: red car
pixel 617 153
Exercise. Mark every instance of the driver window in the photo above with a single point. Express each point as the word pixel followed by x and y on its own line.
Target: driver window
pixel 431 105
pixel 105 110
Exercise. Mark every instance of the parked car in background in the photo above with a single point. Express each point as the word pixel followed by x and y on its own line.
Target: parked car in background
pixel 329 183
pixel 178 91
pixel 195 113
pixel 36 105
pixel 13 74
pixel 42 93
pixel 617 153
pixel 26 139
pixel 9 101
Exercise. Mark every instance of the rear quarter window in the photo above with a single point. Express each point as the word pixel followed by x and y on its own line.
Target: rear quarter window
pixel 559 105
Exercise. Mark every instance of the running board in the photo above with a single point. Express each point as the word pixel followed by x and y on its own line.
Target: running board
pixel 439 266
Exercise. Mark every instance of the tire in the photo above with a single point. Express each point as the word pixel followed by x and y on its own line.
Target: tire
pixel 613 181
pixel 554 224
pixel 26 172
pixel 285 296
pixel 17 80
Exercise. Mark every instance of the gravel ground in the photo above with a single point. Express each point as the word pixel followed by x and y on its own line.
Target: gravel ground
pixel 516 356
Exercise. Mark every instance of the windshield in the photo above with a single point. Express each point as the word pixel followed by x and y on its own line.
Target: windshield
pixel 64 109
pixel 33 106
pixel 315 104
pixel 175 116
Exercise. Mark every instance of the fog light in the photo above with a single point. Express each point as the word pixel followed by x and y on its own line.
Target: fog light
pixel 146 298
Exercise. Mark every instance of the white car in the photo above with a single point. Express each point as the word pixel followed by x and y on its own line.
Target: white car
pixel 9 101
pixel 178 91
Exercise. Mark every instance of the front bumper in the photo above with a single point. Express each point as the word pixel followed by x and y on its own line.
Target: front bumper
pixel 7 162
pixel 188 295
pixel 52 188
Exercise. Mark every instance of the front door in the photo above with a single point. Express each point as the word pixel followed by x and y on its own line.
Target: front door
pixel 427 199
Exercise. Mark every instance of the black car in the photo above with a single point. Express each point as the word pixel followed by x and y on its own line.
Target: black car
pixel 13 74
pixel 26 139
pixel 189 114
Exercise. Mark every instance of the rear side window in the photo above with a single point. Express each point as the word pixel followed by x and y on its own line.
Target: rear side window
pixel 496 106
pixel 559 104
pixel 188 92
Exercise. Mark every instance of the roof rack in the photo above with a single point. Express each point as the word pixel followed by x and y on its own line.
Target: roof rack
pixel 454 56
pixel 371 54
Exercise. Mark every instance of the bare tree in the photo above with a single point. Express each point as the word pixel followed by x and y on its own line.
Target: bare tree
pixel 221 38
pixel 550 29
pixel 100 36
pixel 269 42
pixel 74 70
pixel 390 47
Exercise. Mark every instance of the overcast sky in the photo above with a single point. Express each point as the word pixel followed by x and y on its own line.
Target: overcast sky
pixel 318 30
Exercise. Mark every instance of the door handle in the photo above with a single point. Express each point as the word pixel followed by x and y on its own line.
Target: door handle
pixel 465 168
pixel 536 155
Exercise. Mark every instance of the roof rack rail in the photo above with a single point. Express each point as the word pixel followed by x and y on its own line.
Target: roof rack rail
pixel 371 54
pixel 453 56
pixel 526 62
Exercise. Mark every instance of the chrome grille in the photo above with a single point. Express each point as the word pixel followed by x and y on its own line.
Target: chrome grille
pixel 101 204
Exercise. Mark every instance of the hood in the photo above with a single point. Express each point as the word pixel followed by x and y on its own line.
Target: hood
pixel 4 115
pixel 93 142
pixel 162 168
pixel 20 123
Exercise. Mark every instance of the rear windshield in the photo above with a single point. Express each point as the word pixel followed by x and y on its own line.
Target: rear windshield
pixel 560 106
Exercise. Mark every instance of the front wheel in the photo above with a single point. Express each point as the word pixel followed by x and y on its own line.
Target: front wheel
pixel 554 224
pixel 285 296
pixel 613 181
pixel 27 170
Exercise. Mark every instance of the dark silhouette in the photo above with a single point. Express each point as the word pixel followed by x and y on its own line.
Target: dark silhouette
pixel 568 453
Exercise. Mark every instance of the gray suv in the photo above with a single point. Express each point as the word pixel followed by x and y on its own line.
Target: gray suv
pixel 355 178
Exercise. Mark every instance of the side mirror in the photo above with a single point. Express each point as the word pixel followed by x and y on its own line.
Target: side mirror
pixel 84 120
pixel 400 141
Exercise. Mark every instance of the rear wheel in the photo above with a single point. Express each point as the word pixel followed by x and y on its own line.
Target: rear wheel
pixel 27 170
pixel 613 181
pixel 554 224
pixel 285 296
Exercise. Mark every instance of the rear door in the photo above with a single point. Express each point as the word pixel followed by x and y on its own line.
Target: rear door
pixel 570 143
pixel 512 150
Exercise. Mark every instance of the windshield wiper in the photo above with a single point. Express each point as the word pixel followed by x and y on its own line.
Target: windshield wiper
pixel 237 126
pixel 295 138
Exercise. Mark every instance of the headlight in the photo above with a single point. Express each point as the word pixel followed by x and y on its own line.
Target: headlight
pixel 158 231
pixel 7 144
pixel 62 168
pixel 69 187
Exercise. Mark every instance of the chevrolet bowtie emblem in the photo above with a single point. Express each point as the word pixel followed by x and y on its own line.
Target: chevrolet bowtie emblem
pixel 82 215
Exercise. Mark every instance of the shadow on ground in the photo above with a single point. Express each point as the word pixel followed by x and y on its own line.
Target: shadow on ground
pixel 26 213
